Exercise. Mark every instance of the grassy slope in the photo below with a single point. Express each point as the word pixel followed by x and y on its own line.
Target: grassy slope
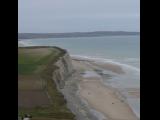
pixel 37 65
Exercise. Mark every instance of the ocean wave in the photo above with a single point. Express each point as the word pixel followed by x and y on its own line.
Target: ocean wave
pixel 111 61
pixel 132 59
pixel 25 43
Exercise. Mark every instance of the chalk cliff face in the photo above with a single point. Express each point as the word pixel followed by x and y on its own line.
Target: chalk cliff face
pixel 64 70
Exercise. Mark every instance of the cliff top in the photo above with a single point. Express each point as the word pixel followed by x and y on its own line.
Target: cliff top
pixel 37 92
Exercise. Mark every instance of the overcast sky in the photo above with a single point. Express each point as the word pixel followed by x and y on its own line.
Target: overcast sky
pixel 44 16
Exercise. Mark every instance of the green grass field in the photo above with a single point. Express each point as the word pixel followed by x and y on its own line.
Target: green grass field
pixel 35 68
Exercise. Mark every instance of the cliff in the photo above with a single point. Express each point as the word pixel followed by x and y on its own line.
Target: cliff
pixel 42 72
pixel 64 70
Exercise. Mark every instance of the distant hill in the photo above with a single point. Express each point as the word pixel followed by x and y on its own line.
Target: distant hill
pixel 73 34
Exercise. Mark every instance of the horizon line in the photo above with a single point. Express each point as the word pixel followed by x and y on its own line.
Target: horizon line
pixel 80 32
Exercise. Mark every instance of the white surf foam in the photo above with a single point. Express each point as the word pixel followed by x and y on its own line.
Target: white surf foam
pixel 98 114
pixel 89 74
pixel 104 60
pixel 25 43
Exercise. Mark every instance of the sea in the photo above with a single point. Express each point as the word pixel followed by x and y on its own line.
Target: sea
pixel 123 49
pixel 120 50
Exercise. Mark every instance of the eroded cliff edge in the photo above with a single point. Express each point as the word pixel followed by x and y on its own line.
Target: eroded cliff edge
pixel 67 80
pixel 64 69
pixel 55 76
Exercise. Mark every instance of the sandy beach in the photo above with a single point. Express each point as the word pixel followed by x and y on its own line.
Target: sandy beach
pixel 100 97
pixel 105 100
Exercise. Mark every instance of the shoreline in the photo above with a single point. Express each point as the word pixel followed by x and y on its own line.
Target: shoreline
pixel 105 101
pixel 104 60
pixel 121 110
pixel 82 105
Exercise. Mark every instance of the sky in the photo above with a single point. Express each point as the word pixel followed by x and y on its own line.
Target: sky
pixel 55 16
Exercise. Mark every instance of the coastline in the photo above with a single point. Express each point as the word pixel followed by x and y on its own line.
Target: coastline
pixel 101 99
pixel 90 73
pixel 105 100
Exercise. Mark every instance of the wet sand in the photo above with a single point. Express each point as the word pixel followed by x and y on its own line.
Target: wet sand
pixel 105 100
pixel 100 97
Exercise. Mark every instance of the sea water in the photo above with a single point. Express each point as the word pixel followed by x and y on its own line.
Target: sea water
pixel 120 50
pixel 125 49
